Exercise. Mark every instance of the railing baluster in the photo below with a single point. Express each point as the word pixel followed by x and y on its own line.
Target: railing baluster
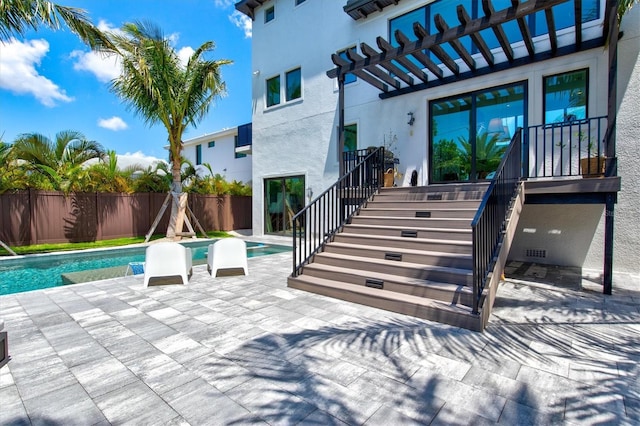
pixel 323 216
pixel 490 220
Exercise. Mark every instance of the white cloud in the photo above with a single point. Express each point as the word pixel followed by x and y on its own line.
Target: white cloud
pixel 243 22
pixel 184 54
pixel 105 26
pixel 224 4
pixel 138 157
pixel 113 123
pixel 19 75
pixel 104 67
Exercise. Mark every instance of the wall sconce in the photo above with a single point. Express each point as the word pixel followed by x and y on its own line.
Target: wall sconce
pixel 412 119
pixel 256 73
pixel 309 193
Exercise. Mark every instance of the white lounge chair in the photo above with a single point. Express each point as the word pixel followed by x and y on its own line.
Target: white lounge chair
pixel 167 260
pixel 227 253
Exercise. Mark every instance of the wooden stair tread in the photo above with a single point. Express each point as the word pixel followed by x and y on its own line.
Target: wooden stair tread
pixel 392 238
pixel 400 250
pixel 393 263
pixel 391 278
pixel 385 294
pixel 413 228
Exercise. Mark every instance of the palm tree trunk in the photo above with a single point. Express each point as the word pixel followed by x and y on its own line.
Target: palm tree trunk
pixel 178 207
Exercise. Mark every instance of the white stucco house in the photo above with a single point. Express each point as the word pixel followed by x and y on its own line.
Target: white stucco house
pixel 519 78
pixel 227 151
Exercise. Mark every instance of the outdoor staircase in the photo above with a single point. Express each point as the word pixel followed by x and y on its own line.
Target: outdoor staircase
pixel 408 250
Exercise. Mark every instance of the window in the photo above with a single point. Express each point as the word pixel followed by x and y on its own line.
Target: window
pixel 235 143
pixel 198 154
pixel 299 2
pixel 273 91
pixel 563 16
pixel 211 144
pixel 350 137
pixel 349 78
pixel 293 81
pixel 470 133
pixel 565 97
pixel 292 87
pixel 269 14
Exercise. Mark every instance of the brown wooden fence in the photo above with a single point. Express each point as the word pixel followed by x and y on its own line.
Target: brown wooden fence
pixel 36 217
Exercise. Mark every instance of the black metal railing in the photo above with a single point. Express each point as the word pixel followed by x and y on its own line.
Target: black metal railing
pixel 572 148
pixel 489 223
pixel 316 223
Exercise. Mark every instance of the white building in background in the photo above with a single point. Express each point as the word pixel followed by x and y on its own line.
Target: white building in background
pixel 227 151
pixel 539 81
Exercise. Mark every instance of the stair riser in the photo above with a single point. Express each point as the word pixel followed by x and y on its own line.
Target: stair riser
pixel 435 214
pixel 398 268
pixel 423 258
pixel 412 222
pixel 359 278
pixel 448 234
pixel 471 322
pixel 408 243
pixel 422 205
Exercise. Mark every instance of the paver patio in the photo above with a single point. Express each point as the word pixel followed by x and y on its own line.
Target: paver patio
pixel 249 350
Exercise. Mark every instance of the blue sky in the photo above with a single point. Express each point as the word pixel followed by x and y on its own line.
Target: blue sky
pixel 50 81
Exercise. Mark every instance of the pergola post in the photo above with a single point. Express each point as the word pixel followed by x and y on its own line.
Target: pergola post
pixel 341 78
pixel 610 147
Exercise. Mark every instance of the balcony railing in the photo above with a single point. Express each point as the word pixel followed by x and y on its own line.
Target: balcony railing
pixel 574 148
pixel 315 224
pixel 489 223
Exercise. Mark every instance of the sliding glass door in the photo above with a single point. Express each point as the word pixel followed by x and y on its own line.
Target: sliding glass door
pixel 470 133
pixel 283 198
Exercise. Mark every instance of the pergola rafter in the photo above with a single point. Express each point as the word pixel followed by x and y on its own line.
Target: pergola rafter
pixel 415 64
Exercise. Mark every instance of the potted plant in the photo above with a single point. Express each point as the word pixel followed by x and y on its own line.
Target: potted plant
pixel 592 159
pixel 391 161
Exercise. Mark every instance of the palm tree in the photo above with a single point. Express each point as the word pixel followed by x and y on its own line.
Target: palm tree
pixel 158 87
pixel 18 16
pixel 59 161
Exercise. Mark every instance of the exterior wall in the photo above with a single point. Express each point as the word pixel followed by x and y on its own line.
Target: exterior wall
pixel 301 137
pixel 626 240
pixel 221 157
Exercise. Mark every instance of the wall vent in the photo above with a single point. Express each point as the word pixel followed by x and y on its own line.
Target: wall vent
pixel 538 253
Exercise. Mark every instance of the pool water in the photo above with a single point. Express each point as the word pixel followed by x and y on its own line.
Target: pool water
pixel 52 270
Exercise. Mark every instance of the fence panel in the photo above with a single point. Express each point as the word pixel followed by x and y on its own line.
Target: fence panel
pixel 15 218
pixel 37 217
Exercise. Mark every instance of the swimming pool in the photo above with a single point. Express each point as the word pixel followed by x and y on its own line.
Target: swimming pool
pixel 35 272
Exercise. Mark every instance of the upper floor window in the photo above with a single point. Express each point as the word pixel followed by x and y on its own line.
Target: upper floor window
pixel 294 84
pixel 565 97
pixel 563 14
pixel 349 78
pixel 269 14
pixel 211 144
pixel 198 154
pixel 273 91
pixel 290 89
pixel 238 154
pixel 299 2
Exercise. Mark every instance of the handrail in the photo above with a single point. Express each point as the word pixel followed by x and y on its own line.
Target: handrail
pixel 316 223
pixel 489 223
pixel 562 149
